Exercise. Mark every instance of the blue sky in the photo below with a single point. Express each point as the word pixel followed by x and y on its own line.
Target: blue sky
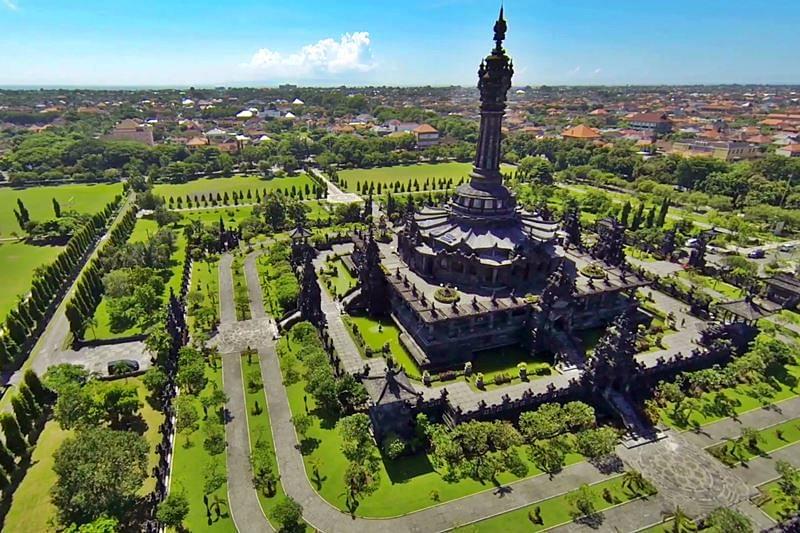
pixel 405 42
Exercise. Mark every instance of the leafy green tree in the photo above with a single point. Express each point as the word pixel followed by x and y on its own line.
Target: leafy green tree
pixel 287 513
pixel 13 435
pixel 98 472
pixel 42 394
pixel 599 442
pixel 582 502
pixel 729 521
pixel 173 510
pixel 549 457
pixel 104 524
pixel 262 461
pixel 155 380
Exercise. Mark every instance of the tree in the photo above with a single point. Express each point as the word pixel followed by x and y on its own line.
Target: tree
pixel 626 212
pixel 187 416
pixel 24 418
pixel 214 443
pixel 120 401
pixel 216 399
pixel 7 460
pixel 536 169
pixel 56 208
pixel 262 461
pixel 287 513
pixel 582 501
pixel 98 471
pixel 636 483
pixel 173 510
pixel 594 443
pixel 13 435
pixel 729 521
pixel 42 394
pixel 357 443
pixel 548 456
pixel 155 380
pixel 302 423
pixel 213 476
pixel 104 524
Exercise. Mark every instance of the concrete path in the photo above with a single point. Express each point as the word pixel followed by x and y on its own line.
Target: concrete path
pixel 630 516
pixel 335 194
pixel 242 499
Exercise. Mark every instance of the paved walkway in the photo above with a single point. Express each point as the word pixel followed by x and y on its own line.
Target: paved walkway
pixel 242 499
pixel 335 194
pixel 343 343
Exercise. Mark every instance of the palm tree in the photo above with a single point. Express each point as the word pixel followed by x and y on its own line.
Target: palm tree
pixel 634 481
pixel 90 322
pixel 681 522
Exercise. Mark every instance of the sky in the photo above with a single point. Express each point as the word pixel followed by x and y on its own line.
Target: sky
pixel 389 42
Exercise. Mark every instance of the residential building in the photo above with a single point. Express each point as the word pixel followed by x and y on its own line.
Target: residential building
pixel 657 123
pixel 131 130
pixel 581 132
pixel 724 150
pixel 426 136
pixel 791 150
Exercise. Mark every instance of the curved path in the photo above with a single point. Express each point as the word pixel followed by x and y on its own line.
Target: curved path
pixel 323 516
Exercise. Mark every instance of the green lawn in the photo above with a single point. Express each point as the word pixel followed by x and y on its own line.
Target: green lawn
pixel 407 484
pixel 492 363
pixel 188 466
pixel 743 393
pixel 729 291
pixel 83 198
pixel 207 186
pixel 790 433
pixel 19 260
pixel 554 511
pixel 775 505
pixel 378 332
pixel 340 282
pixel 31 509
pixel 259 426
pixel 404 174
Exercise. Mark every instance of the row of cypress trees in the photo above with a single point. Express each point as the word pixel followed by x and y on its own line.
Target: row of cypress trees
pixel 89 290
pixel 31 311
pixel 21 427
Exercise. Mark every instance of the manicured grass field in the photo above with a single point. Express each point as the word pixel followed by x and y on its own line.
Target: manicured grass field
pixel 770 441
pixel 260 429
pixel 83 198
pixel 377 332
pixel 729 291
pixel 188 467
pixel 504 361
pixel 31 509
pixel 776 506
pixel 208 186
pixel 404 174
pixel 744 395
pixel 19 260
pixel 407 484
pixel 555 511
pixel 341 282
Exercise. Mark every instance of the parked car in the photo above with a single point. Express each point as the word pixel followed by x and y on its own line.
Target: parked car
pixel 756 254
pixel 786 247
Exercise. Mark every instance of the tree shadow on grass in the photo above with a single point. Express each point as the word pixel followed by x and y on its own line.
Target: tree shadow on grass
pixel 308 445
pixel 407 467
pixel 135 423
pixel 593 520
pixel 327 418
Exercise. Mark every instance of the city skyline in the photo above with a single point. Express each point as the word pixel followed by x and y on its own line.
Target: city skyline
pixel 316 43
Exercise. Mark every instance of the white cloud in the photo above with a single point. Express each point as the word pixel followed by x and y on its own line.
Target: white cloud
pixel 575 70
pixel 597 71
pixel 11 4
pixel 351 53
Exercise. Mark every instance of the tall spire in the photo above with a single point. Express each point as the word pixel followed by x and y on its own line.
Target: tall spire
pixel 500 28
pixel 494 81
